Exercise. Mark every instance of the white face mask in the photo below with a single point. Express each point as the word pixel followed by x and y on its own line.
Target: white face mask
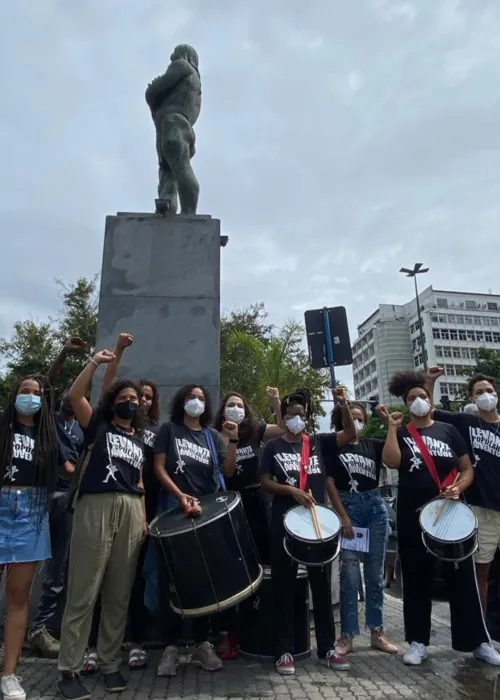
pixel 295 425
pixel 236 414
pixel 486 402
pixel 359 425
pixel 419 407
pixel 194 408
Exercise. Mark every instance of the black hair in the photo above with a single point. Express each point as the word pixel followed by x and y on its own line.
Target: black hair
pixel 105 410
pixel 154 412
pixel 303 398
pixel 336 415
pixel 480 378
pixel 179 399
pixel 46 455
pixel 249 425
pixel 403 382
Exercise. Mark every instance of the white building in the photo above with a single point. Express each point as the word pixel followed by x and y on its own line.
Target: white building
pixel 455 325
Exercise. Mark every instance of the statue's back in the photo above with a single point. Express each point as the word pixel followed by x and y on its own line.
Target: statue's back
pixel 184 98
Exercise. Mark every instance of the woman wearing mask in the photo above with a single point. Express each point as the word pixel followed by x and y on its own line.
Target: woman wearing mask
pixel 246 481
pixel 353 473
pixel 184 466
pixel 280 471
pixel 111 527
pixel 417 487
pixel 30 463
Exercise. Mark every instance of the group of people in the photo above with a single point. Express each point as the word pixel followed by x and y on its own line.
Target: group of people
pixel 81 484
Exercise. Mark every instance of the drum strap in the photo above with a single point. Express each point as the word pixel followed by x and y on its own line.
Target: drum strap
pixel 429 462
pixel 215 457
pixel 304 462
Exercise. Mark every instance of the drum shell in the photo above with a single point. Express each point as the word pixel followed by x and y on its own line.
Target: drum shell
pixel 451 551
pixel 309 552
pixel 256 620
pixel 209 568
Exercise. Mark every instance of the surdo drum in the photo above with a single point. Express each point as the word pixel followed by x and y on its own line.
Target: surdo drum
pixel 301 542
pixel 453 538
pixel 256 635
pixel 209 562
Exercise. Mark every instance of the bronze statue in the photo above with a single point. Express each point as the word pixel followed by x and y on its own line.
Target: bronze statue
pixel 175 101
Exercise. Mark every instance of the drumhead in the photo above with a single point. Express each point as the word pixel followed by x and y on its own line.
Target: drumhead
pixel 456 522
pixel 299 523
pixel 213 506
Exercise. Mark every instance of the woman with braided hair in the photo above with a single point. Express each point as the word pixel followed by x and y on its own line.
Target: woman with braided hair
pixel 30 461
pixel 280 474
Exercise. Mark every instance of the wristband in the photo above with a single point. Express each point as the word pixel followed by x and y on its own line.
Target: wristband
pixel 233 442
pixel 94 362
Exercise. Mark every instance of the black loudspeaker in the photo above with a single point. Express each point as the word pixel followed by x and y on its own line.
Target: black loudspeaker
pixel 317 340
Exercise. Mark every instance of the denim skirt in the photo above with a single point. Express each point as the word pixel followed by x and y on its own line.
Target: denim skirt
pixel 24 526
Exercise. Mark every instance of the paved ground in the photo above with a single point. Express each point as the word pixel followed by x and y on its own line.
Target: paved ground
pixel 445 676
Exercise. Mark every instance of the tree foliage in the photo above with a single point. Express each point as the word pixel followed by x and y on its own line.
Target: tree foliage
pixel 33 346
pixel 376 429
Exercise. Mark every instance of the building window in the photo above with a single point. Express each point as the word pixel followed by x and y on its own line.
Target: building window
pixel 438 350
pixel 473 353
pixel 493 321
pixel 442 303
pixel 470 305
pixel 460 320
pixel 480 336
pixel 453 389
pixel 445 335
pixel 443 388
pixel 453 335
pixel 434 318
pixel 456 352
pixel 465 353
pixel 462 335
pixel 468 320
pixel 436 333
pixel 449 370
pixel 451 320
pixel 488 337
pixel 446 352
pixel 492 306
pixel 478 321
pixel 471 336
pixel 442 319
pixel 496 337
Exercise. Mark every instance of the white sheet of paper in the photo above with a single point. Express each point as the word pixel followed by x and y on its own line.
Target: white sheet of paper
pixel 359 543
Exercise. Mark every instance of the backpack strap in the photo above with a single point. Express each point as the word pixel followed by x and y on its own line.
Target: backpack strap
pixel 215 457
pixel 81 467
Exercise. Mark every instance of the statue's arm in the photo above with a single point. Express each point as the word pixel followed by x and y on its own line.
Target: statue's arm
pixel 159 86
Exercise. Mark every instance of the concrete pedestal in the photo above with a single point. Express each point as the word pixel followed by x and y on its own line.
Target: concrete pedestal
pixel 160 281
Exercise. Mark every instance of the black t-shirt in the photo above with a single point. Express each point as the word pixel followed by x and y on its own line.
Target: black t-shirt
pixel 483 443
pixel 71 440
pixel 355 467
pixel 248 452
pixel 188 460
pixel 281 460
pixel 445 445
pixel 20 472
pixel 151 483
pixel 116 461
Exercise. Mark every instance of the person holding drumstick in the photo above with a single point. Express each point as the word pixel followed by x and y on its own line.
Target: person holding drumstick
pixel 281 470
pixel 191 460
pixel 407 448
pixel 353 474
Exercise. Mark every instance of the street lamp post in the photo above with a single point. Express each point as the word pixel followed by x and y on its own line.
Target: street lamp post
pixel 418 270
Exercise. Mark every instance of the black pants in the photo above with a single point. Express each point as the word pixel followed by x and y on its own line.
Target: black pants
pixel 284 577
pixel 53 588
pixel 468 628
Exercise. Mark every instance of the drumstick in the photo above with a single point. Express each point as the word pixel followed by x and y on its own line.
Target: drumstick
pixel 441 507
pixel 314 516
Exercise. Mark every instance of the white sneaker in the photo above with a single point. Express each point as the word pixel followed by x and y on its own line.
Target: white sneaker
pixel 12 688
pixel 415 654
pixel 487 653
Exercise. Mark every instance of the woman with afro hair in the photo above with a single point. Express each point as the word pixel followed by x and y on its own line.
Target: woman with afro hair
pixel 109 527
pixel 417 487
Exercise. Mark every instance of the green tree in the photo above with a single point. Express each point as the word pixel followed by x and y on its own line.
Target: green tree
pixel 376 429
pixel 33 346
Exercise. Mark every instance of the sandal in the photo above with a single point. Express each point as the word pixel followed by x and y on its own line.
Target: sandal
pixel 137 659
pixel 90 663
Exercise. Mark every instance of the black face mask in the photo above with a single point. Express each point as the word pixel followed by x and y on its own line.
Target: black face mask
pixel 126 410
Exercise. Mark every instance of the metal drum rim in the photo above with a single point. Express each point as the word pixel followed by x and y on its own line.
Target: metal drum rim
pixel 192 521
pixel 437 539
pixel 448 560
pixel 313 542
pixel 227 603
pixel 306 564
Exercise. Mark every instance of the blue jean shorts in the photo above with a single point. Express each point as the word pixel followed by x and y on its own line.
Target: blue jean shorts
pixel 24 526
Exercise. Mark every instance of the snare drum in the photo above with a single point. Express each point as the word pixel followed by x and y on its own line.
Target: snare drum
pixel 454 536
pixel 210 561
pixel 301 542
pixel 257 618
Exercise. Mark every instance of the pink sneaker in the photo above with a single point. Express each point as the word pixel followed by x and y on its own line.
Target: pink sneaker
pixel 335 662
pixel 285 665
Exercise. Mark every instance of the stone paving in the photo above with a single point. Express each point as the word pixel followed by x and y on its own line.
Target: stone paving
pixel 445 676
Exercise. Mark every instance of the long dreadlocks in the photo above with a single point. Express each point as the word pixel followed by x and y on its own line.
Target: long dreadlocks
pixel 303 398
pixel 46 455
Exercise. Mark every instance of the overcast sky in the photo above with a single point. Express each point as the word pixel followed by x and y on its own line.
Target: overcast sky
pixel 338 140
